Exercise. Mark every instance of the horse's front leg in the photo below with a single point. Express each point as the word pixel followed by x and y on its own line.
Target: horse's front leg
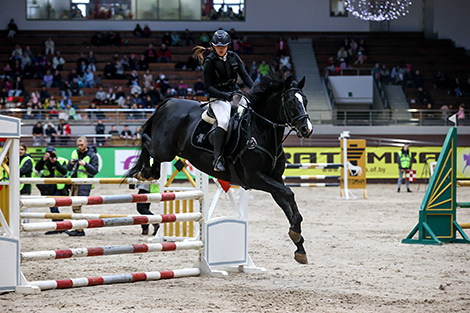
pixel 284 197
pixel 287 202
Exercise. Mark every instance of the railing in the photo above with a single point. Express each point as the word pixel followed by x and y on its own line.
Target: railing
pixel 340 117
pixel 86 116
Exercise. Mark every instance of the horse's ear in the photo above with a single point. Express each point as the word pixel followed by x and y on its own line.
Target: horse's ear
pixel 302 83
pixel 288 82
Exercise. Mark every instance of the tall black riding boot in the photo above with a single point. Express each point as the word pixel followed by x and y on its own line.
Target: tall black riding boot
pixel 218 140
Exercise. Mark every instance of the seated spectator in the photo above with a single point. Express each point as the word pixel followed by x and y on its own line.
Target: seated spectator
pixel 135 89
pixel 12 29
pixel 81 59
pixel 408 79
pixel 149 102
pixel 91 67
pixel 43 95
pixel 137 134
pixel 192 64
pixel 455 86
pixel 48 79
pixel 38 134
pixel 342 54
pixel 440 80
pixel 187 38
pixel 114 132
pixel 466 88
pixel 121 98
pixel 71 113
pixel 264 68
pixel 166 39
pixel 99 130
pixel 285 63
pixel 110 97
pixel 136 99
pixel 138 32
pixel 133 62
pixel 164 54
pixel 50 134
pixel 75 88
pixel 109 71
pixel 153 92
pixel 58 61
pixel 64 102
pixel 100 97
pixel 91 58
pixel 182 89
pixel 418 79
pixel 352 51
pixel 17 87
pixel 120 70
pixel 133 78
pixel 88 79
pixel 150 54
pixel 142 64
pixel 56 79
pixel 175 39
pixel 146 31
pixel 148 79
pixel 126 133
pixel 204 39
pixel 199 88
pixel 81 68
pixel 423 96
pixel 63 132
pixel 49 46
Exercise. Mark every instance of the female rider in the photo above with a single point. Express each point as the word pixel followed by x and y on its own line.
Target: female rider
pixel 221 68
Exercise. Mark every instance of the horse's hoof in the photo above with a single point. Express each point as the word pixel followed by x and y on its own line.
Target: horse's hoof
pixel 301 258
pixel 295 237
pixel 138 176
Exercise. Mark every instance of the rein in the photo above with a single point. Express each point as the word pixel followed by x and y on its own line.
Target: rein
pixel 251 142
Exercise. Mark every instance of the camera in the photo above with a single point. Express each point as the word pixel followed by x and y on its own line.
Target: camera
pixel 75 167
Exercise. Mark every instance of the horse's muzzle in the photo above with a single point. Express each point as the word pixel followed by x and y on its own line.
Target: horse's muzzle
pixel 305 130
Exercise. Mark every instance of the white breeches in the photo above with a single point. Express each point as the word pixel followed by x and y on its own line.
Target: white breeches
pixel 222 109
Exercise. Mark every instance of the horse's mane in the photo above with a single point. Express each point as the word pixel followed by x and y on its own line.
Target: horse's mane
pixel 267 85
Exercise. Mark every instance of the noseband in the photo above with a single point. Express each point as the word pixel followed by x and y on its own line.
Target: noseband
pixel 291 121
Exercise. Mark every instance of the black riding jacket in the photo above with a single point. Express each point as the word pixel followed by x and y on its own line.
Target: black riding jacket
pixel 221 76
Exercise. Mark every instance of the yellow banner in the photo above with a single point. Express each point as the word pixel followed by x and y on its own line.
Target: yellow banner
pixel 381 162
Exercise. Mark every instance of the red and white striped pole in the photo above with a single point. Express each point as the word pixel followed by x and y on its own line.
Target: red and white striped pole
pixel 110 222
pixel 113 199
pixel 114 279
pixel 109 250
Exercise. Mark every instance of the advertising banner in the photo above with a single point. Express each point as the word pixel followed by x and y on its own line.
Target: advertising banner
pixel 380 162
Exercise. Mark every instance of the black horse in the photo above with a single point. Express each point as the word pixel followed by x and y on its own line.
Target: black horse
pixel 257 161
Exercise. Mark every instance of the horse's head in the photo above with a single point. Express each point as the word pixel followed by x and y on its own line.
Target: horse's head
pixel 294 104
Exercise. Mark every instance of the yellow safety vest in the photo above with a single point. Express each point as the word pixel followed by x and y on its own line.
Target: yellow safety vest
pixel 81 172
pixel 46 173
pixel 23 161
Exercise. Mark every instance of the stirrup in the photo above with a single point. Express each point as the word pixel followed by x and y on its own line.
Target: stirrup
pixel 218 164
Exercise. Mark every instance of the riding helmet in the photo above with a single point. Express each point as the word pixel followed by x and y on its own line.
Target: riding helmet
pixel 220 38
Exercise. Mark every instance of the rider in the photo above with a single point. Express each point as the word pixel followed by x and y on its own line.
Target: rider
pixel 221 68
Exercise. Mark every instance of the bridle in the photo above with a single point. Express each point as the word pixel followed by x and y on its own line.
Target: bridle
pixel 291 121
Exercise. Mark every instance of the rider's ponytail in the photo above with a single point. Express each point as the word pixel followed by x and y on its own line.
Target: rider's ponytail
pixel 198 52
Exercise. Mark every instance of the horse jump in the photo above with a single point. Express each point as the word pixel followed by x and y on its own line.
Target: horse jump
pixel 437 222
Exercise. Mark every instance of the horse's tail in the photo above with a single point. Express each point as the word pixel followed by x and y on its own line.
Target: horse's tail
pixel 145 144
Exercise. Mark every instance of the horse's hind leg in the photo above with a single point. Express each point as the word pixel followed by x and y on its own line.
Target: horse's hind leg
pixel 150 171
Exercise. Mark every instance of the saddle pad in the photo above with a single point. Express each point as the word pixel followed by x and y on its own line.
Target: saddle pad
pixel 200 136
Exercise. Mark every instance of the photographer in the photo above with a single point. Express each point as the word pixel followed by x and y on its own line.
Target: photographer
pixel 83 164
pixel 50 165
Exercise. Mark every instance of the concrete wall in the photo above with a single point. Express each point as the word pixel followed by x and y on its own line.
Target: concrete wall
pixel 451 21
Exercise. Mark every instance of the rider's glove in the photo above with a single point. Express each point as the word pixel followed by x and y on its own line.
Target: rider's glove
pixel 228 96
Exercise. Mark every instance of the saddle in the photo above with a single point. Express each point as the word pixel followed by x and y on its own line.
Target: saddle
pixel 201 136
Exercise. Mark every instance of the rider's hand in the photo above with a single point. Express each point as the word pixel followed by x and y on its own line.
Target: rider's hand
pixel 228 96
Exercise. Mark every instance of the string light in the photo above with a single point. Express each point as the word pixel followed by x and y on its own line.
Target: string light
pixel 378 10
